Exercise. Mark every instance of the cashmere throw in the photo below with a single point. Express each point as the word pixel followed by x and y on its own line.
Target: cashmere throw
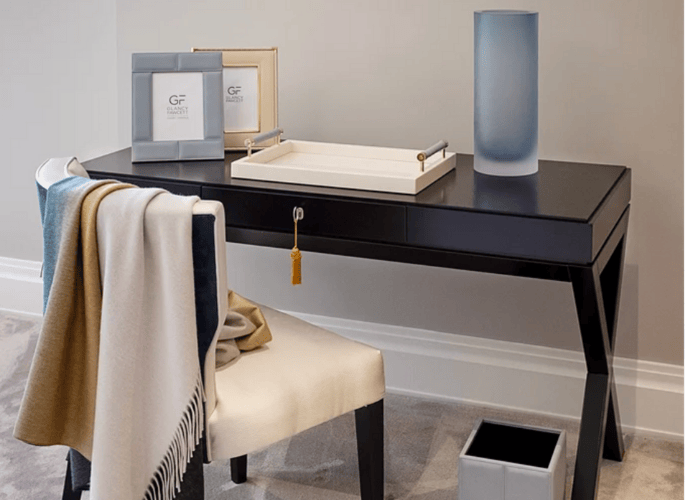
pixel 244 329
pixel 58 403
pixel 149 412
pixel 261 334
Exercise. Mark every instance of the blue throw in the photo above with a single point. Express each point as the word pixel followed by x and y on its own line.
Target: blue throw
pixel 54 202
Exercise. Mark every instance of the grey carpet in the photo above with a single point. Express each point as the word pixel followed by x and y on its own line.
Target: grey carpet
pixel 423 441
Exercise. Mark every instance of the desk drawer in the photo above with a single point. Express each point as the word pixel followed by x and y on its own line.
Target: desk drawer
pixel 322 217
pixel 554 240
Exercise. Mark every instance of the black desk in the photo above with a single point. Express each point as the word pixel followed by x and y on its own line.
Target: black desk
pixel 567 223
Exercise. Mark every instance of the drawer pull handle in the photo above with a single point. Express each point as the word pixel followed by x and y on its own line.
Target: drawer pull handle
pixel 424 155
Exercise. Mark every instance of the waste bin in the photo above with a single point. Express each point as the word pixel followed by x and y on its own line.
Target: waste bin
pixel 504 461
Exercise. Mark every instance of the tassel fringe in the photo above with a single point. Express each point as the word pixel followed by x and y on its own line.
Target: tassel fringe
pixel 296 268
pixel 166 481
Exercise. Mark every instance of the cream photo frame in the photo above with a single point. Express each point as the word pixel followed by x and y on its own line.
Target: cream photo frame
pixel 249 94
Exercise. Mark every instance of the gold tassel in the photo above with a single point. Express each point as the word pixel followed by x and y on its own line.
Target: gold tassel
pixel 296 274
pixel 296 258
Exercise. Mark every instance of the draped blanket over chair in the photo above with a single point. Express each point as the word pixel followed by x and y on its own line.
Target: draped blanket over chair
pixel 147 414
pixel 154 332
pixel 59 401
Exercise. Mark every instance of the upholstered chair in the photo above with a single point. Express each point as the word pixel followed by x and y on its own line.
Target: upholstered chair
pixel 304 377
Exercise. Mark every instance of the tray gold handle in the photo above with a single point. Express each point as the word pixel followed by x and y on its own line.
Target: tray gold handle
pixel 250 143
pixel 424 155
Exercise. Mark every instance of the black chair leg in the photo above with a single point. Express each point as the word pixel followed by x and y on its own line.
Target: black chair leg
pixel 239 469
pixel 369 424
pixel 69 493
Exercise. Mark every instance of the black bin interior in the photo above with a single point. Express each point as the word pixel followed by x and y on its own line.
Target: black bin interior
pixel 518 445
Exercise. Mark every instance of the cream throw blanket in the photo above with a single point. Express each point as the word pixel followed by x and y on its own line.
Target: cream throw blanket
pixel 148 413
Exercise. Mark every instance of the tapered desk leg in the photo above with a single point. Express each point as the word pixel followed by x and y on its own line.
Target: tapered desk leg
pixel 591 438
pixel 596 290
pixel 613 438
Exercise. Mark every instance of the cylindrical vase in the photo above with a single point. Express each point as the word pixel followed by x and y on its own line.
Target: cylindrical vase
pixel 505 92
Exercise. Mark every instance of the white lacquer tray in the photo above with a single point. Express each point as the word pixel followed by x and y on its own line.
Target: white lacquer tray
pixel 346 166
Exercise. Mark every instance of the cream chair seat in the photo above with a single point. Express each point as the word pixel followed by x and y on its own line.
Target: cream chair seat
pixel 303 377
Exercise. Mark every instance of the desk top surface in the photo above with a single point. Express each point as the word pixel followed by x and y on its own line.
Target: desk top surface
pixel 560 190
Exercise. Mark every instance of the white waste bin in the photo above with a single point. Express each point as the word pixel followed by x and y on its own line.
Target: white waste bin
pixel 504 461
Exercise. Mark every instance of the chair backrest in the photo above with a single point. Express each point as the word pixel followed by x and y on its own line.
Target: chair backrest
pixel 56 169
pixel 209 265
pixel 211 288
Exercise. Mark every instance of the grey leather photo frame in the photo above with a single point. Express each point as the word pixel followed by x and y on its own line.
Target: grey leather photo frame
pixel 180 126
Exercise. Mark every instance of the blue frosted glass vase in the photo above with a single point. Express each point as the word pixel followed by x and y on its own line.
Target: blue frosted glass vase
pixel 505 92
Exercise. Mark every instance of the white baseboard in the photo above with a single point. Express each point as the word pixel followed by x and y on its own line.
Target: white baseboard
pixel 516 376
pixel 21 287
pixel 462 368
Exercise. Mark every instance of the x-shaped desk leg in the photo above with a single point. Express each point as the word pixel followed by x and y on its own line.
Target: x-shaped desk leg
pixel 597 291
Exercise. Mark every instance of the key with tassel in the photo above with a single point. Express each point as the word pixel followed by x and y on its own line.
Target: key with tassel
pixel 295 255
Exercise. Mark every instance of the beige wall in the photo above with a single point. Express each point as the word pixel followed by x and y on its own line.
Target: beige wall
pixel 401 74
pixel 58 94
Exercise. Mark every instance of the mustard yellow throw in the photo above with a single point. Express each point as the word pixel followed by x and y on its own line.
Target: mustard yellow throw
pixel 244 329
pixel 251 311
pixel 59 402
